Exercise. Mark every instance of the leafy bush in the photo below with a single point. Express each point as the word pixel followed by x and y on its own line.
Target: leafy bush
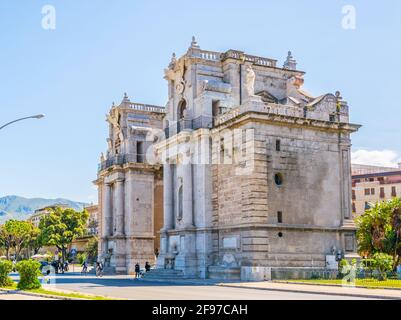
pixel 29 272
pixel 82 257
pixel 367 264
pixel 343 268
pixel 5 268
pixel 383 263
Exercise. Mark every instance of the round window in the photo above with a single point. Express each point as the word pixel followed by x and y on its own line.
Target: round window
pixel 278 179
pixel 280 234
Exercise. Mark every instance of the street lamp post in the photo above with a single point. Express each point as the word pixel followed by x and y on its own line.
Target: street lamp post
pixel 38 116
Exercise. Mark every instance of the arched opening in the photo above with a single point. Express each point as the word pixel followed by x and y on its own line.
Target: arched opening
pixel 278 179
pixel 182 106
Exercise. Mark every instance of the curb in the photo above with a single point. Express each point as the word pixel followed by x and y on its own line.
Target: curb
pixel 33 294
pixel 357 295
pixel 334 285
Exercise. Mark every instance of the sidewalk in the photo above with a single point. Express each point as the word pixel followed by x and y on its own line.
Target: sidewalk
pixel 4 295
pixel 318 289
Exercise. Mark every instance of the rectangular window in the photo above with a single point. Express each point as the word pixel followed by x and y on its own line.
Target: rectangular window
pixel 278 145
pixel 372 191
pixel 393 191
pixel 279 217
pixel 367 192
pixel 353 194
pixel 139 152
pixel 382 195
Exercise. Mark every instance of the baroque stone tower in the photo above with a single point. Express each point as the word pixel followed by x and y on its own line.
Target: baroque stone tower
pixel 130 188
pixel 256 173
pixel 256 170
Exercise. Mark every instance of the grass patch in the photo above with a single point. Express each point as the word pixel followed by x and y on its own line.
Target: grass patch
pixel 12 287
pixel 370 283
pixel 59 294
pixel 68 294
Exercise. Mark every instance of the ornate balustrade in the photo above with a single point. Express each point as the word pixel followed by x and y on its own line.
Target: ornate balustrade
pixel 238 55
pixel 270 108
pixel 121 159
pixel 147 107
pixel 206 55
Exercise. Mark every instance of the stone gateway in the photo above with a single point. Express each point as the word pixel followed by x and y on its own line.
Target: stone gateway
pixel 256 173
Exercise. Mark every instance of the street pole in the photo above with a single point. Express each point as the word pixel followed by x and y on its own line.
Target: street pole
pixel 38 116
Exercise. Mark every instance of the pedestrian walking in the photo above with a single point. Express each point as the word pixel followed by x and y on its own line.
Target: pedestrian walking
pixel 84 267
pixel 147 266
pixel 99 269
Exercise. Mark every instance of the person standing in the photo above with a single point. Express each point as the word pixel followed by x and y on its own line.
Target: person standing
pixel 147 266
pixel 137 270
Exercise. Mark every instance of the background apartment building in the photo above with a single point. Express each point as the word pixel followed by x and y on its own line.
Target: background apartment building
pixel 371 184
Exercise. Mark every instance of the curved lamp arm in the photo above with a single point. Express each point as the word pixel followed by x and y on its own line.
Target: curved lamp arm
pixel 39 116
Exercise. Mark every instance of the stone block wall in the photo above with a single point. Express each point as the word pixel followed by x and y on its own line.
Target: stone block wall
pixel 308 202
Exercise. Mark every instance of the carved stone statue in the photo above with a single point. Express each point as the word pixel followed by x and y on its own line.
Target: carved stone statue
pixel 102 157
pixel 113 120
pixel 109 145
pixel 249 81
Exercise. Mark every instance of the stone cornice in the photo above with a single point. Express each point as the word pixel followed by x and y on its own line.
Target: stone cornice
pixel 249 116
pixel 132 237
pixel 266 227
pixel 125 167
pixel 182 137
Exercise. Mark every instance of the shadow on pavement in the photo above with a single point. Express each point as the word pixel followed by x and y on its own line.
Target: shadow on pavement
pixel 121 281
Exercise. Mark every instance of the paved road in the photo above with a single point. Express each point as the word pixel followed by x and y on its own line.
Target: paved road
pixel 128 288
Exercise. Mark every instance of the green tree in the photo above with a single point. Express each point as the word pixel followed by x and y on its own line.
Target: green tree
pixel 379 230
pixel 17 235
pixel 35 241
pixel 82 257
pixel 5 240
pixel 62 226
pixel 92 248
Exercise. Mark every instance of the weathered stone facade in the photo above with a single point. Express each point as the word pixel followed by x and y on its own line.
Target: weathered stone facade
pixel 256 172
pixel 130 188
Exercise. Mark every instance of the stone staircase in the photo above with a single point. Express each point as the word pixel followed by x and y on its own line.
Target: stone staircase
pixel 164 274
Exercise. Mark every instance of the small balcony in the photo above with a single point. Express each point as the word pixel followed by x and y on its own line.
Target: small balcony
pixel 200 122
pixel 121 159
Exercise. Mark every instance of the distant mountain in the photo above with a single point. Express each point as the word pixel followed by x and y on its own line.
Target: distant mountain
pixel 14 207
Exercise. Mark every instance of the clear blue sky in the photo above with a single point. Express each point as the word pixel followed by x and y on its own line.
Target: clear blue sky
pixel 102 48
